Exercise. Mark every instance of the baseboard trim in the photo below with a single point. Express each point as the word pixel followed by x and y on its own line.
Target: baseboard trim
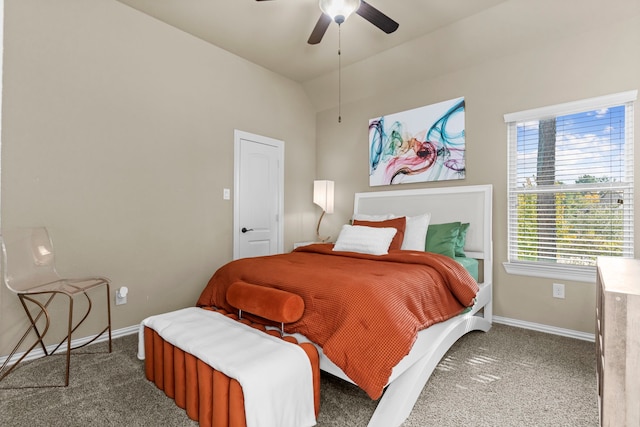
pixel 38 353
pixel 130 330
pixel 545 328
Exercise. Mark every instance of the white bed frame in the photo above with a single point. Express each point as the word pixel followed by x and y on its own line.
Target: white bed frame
pixel 472 204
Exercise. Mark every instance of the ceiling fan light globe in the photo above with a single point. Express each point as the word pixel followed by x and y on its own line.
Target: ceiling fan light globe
pixel 339 10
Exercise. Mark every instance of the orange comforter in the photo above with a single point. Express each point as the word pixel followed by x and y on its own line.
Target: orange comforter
pixel 364 311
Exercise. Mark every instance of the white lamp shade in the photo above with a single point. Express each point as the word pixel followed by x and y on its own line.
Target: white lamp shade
pixel 339 8
pixel 323 195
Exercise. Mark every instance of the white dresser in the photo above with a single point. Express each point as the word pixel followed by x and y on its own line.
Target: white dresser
pixel 618 341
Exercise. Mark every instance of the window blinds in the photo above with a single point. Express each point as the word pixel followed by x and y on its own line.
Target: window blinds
pixel 570 182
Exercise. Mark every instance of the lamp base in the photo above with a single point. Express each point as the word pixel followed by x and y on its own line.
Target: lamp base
pixel 321 239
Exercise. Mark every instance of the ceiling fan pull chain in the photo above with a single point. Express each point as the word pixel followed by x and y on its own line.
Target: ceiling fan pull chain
pixel 339 75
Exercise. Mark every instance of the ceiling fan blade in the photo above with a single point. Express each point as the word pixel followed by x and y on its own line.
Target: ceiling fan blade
pixel 319 29
pixel 376 17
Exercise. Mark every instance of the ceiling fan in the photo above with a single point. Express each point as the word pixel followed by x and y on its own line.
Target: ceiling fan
pixel 340 10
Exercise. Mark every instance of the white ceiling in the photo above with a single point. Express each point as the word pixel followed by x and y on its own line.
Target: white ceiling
pixel 274 33
pixel 435 37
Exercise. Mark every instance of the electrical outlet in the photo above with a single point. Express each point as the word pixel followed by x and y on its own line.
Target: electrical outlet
pixel 558 290
pixel 121 295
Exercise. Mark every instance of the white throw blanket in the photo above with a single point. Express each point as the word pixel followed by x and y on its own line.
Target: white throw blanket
pixel 276 376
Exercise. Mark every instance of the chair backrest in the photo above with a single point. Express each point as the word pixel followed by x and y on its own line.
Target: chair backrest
pixel 27 258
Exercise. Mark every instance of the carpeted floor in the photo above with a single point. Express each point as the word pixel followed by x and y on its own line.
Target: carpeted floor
pixel 506 377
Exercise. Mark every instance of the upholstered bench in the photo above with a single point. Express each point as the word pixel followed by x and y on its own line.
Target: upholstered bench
pixel 225 370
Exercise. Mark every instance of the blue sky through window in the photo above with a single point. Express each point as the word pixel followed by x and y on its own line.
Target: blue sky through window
pixel 587 143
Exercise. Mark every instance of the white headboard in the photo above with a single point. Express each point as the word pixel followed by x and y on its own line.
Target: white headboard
pixel 470 204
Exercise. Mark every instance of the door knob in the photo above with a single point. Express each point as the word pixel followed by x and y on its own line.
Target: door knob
pixel 245 229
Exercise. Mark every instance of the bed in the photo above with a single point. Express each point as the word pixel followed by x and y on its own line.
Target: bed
pixel 404 380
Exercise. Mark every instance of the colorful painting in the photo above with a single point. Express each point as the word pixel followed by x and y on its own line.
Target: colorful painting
pixel 419 145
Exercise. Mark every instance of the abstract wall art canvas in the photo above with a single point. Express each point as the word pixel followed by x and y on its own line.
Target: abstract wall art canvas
pixel 419 145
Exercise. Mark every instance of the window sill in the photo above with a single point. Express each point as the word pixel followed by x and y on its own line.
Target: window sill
pixel 562 272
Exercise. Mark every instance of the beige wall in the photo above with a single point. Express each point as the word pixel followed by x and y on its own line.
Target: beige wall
pixel 583 60
pixel 118 136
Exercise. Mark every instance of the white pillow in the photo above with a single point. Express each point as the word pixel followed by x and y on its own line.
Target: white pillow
pixel 415 232
pixel 366 240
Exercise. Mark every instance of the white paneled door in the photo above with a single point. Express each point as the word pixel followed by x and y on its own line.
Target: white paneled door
pixel 259 195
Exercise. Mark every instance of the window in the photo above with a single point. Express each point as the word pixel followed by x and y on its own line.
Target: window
pixel 570 186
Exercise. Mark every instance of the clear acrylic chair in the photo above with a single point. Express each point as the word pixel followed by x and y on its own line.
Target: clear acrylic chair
pixel 29 270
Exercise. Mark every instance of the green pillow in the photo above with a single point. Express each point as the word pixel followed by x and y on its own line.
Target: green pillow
pixel 442 238
pixel 461 240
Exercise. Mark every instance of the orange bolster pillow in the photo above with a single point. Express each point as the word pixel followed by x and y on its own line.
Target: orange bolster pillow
pixel 269 303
